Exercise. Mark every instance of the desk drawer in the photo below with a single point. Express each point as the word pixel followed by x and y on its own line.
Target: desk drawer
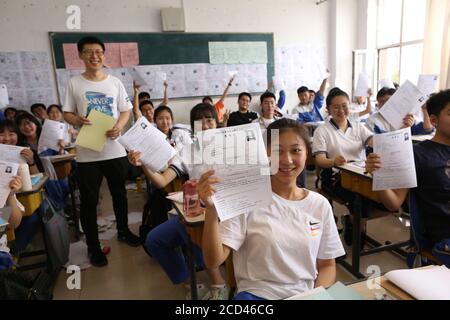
pixel 358 184
pixel 31 202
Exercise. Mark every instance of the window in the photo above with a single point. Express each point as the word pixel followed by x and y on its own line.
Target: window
pixel 400 33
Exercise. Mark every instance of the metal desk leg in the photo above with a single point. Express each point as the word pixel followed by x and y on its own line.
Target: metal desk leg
pixel 191 262
pixel 356 241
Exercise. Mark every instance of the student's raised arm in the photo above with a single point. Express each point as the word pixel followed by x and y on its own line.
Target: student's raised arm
pixel 323 86
pixel 427 126
pixel 391 198
pixel 165 101
pixel 214 251
pixel 136 112
pixel 368 109
pixel 225 92
pixel 160 180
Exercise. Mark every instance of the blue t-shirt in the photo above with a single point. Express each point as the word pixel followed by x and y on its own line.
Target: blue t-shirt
pixel 433 188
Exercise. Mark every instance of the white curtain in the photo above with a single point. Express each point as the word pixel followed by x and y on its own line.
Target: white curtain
pixel 436 53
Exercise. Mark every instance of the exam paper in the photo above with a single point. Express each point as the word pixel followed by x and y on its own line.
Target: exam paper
pixel 140 81
pixel 4 99
pixel 396 152
pixel 362 86
pixel 52 132
pixel 239 158
pixel 11 154
pixel 423 284
pixel 427 83
pixel 407 99
pixel 7 171
pixel 152 143
pixel 386 83
pixel 94 136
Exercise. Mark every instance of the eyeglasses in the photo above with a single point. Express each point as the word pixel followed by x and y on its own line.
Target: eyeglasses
pixel 91 52
pixel 337 107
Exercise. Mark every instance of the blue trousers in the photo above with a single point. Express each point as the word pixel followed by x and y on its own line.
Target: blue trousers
pixel 163 243
pixel 244 295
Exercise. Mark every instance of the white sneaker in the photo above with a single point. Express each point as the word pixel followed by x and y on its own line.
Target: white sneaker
pixel 202 290
pixel 217 293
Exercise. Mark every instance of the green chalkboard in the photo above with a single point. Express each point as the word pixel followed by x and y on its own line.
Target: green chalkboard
pixel 166 48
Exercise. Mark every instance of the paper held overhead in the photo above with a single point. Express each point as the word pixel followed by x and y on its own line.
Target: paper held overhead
pixel 362 86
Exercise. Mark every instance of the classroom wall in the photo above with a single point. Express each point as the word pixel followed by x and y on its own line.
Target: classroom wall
pixel 25 24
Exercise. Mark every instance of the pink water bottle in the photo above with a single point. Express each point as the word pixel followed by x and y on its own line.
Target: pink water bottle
pixel 191 200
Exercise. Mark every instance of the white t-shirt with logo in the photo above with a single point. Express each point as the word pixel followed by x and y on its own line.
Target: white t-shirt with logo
pixel 107 96
pixel 276 248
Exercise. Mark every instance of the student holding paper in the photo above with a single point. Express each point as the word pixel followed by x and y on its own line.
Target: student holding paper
pixel 362 108
pixel 164 122
pixel 378 124
pixel 337 142
pixel 432 160
pixel 163 241
pixel 219 105
pixel 10 135
pixel 310 111
pixel 146 109
pixel 96 90
pixel 17 211
pixel 286 248
pixel 55 113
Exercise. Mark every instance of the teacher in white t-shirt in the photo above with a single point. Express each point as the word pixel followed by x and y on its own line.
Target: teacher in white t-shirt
pixel 97 90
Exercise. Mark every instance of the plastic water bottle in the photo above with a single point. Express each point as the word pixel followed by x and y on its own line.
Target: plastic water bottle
pixel 191 200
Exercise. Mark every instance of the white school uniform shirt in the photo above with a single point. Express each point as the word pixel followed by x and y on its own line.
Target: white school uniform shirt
pixel 264 123
pixel 109 97
pixel 276 247
pixel 332 141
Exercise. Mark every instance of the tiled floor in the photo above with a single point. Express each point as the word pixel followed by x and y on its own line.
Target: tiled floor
pixel 132 274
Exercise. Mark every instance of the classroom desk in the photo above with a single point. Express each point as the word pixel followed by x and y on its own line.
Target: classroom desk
pixel 71 149
pixel 195 232
pixel 353 178
pixel 63 168
pixel 379 288
pixel 32 199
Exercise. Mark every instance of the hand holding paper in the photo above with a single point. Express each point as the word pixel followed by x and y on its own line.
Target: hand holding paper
pixel 155 151
pixel 94 136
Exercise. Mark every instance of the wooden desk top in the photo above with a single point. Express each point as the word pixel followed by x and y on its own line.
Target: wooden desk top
pixel 62 158
pixel 355 169
pixel 191 222
pixel 36 188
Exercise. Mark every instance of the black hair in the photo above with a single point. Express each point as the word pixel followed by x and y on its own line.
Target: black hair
pixel 144 102
pixel 286 124
pixel 312 91
pixel 161 109
pixel 335 92
pixel 207 98
pixel 202 110
pixel 438 101
pixel 9 109
pixel 10 126
pixel 89 40
pixel 302 89
pixel 245 94
pixel 36 106
pixel 49 108
pixel 27 116
pixel 385 91
pixel 266 95
pixel 144 95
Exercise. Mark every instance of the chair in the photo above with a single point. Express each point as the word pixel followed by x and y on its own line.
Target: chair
pixel 420 251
